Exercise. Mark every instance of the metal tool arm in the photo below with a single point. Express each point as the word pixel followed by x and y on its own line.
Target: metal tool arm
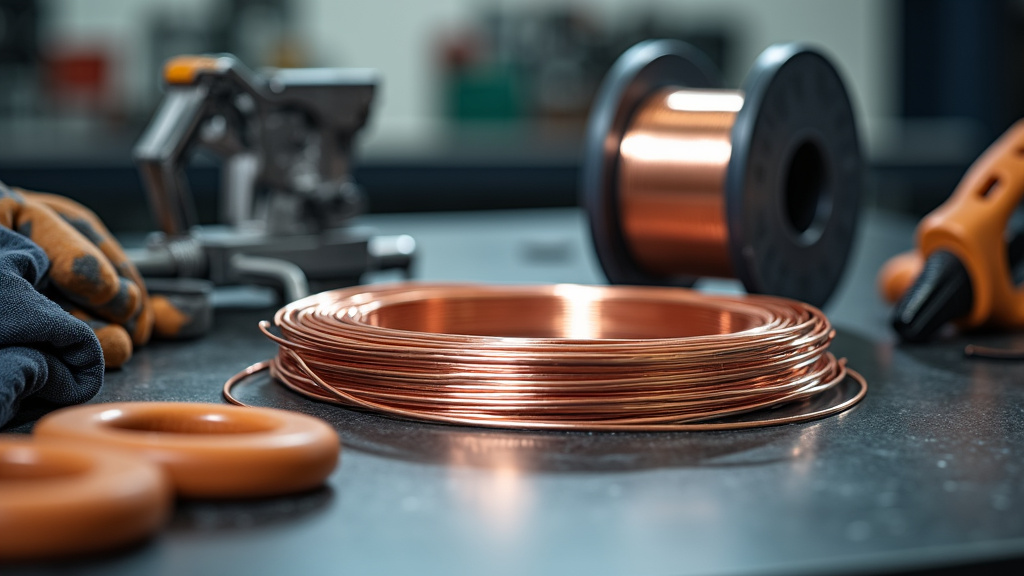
pixel 160 155
pixel 286 135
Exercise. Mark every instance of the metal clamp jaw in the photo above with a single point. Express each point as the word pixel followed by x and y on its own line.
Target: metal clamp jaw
pixel 287 197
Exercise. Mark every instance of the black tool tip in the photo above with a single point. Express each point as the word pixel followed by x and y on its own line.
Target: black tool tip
pixel 941 293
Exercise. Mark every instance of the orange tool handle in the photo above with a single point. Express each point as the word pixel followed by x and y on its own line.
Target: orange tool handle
pixel 971 225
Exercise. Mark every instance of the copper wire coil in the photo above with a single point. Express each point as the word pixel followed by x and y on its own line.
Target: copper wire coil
pixel 555 357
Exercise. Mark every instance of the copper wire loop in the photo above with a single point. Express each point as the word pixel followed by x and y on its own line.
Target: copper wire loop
pixel 672 169
pixel 555 357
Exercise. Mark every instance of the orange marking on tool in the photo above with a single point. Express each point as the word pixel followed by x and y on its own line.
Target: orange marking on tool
pixel 185 69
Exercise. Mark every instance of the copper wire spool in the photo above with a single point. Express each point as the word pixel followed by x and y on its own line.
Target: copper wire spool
pixel 557 357
pixel 682 179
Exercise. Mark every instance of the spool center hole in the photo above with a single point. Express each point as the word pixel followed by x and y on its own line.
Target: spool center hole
pixel 805 186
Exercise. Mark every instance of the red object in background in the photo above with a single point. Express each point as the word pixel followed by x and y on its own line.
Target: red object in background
pixel 78 78
pixel 461 49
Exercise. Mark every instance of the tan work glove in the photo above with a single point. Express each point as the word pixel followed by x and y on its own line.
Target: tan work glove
pixel 90 275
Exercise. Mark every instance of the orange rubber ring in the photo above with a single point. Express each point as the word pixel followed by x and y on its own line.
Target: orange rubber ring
pixel 61 498
pixel 210 450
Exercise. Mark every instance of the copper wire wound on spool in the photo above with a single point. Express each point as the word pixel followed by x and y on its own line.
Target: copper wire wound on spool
pixel 672 166
pixel 682 179
pixel 559 357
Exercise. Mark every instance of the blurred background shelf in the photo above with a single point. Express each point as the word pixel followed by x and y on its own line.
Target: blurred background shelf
pixel 484 102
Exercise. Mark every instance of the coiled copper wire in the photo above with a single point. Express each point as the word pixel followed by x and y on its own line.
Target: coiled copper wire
pixel 672 166
pixel 556 357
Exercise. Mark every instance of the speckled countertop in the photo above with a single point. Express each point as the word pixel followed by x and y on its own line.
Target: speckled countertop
pixel 928 471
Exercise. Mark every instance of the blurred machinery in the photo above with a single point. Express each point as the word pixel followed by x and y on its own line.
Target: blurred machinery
pixel 19 56
pixel 546 65
pixel 287 194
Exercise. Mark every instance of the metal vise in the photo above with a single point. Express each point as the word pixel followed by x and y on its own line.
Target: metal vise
pixel 287 193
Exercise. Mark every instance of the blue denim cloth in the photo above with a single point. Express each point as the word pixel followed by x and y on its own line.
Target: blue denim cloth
pixel 48 358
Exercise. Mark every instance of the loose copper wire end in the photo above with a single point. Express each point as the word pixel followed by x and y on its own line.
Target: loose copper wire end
pixel 988 352
pixel 561 357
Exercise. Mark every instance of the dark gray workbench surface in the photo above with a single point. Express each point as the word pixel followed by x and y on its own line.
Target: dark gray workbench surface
pixel 927 471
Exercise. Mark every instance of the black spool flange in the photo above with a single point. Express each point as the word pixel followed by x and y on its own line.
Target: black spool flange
pixel 793 183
